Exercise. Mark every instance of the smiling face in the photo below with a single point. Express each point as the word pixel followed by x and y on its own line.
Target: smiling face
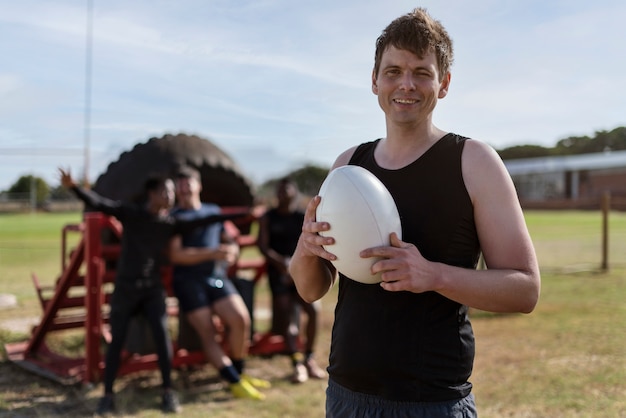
pixel 188 192
pixel 408 86
pixel 162 196
pixel 420 34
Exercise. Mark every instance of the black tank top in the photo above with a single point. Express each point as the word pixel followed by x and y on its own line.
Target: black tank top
pixel 400 345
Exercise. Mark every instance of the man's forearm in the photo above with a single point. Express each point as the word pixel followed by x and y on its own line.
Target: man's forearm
pixel 192 255
pixel 313 276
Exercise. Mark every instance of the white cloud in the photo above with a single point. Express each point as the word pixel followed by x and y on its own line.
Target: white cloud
pixel 277 83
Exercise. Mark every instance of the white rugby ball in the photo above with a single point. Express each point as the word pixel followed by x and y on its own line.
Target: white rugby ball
pixel 361 213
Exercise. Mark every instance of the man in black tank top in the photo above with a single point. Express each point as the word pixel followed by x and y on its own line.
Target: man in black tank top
pixel 405 347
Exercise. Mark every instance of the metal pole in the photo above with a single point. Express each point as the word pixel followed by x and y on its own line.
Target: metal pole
pixel 94 298
pixel 606 208
pixel 33 194
pixel 87 121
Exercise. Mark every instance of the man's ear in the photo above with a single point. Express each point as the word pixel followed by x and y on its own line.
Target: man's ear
pixel 374 84
pixel 445 85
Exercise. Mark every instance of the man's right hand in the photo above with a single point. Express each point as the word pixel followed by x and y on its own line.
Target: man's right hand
pixel 66 178
pixel 311 243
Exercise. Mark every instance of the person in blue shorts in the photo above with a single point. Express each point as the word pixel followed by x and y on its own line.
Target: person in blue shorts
pixel 201 259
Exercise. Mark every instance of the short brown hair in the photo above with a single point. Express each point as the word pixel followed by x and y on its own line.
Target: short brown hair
pixel 419 33
pixel 187 172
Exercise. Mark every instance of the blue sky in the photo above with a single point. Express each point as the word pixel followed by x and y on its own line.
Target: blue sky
pixel 280 83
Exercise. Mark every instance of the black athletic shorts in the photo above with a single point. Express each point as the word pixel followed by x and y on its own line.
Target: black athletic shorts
pixel 195 292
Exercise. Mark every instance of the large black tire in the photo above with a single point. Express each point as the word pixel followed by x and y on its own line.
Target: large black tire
pixel 223 182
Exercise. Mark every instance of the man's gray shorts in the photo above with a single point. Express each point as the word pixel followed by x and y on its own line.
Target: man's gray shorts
pixel 343 403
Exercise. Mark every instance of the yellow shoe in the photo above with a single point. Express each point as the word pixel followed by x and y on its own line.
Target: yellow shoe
pixel 243 389
pixel 257 383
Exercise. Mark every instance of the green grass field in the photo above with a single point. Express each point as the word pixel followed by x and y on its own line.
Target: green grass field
pixel 31 243
pixel 566 359
pixel 567 239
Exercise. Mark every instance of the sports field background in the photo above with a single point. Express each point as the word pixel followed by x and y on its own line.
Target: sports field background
pixel 573 240
pixel 566 359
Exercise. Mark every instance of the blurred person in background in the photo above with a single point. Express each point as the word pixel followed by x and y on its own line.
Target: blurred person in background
pixel 279 230
pixel 201 259
pixel 147 230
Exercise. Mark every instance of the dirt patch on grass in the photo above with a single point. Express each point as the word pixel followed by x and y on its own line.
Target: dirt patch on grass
pixel 25 394
pixel 19 325
pixel 7 301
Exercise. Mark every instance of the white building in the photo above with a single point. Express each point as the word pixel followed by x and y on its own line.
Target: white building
pixel 572 178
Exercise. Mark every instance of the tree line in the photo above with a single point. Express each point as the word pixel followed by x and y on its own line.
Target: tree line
pixel 574 145
pixel 310 177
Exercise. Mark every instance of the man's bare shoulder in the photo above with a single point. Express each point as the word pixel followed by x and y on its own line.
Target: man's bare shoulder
pixel 475 148
pixel 477 153
pixel 344 157
pixel 483 169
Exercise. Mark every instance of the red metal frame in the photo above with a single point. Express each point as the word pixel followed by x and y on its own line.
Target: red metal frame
pixel 85 268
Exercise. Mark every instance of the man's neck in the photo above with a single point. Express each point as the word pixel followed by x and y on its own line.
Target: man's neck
pixel 405 144
pixel 192 204
pixel 156 209
pixel 416 132
pixel 285 207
